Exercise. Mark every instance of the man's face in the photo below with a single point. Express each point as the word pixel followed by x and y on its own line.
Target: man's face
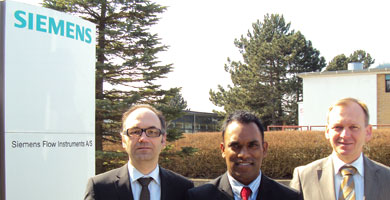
pixel 143 148
pixel 243 149
pixel 347 131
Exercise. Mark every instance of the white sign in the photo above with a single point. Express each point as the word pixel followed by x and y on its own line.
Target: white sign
pixel 49 103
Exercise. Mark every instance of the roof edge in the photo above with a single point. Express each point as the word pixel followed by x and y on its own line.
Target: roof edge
pixel 362 71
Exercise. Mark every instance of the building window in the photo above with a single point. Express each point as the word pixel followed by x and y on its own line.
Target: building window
pixel 387 82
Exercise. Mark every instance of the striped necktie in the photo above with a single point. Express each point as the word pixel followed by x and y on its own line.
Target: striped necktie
pixel 347 187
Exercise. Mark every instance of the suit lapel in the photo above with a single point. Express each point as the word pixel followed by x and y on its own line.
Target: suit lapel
pixel 164 179
pixel 264 191
pixel 122 184
pixel 370 179
pixel 326 180
pixel 225 188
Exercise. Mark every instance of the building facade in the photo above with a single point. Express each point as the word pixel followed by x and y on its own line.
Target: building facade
pixel 321 89
pixel 193 121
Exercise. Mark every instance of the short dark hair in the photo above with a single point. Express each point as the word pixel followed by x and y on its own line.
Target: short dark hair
pixel 135 107
pixel 245 117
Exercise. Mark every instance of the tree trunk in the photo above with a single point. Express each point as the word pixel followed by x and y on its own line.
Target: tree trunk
pixel 99 88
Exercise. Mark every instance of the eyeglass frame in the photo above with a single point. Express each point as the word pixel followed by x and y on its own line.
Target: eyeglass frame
pixel 143 130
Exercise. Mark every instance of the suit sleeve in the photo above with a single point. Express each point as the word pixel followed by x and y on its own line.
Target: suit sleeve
pixel 188 195
pixel 89 191
pixel 206 191
pixel 296 180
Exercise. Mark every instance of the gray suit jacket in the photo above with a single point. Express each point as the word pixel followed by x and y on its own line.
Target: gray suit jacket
pixel 220 189
pixel 115 185
pixel 316 180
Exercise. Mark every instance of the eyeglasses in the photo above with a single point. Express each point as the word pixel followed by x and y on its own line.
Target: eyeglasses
pixel 137 132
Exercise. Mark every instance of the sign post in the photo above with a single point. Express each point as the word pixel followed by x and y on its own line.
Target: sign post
pixel 47 97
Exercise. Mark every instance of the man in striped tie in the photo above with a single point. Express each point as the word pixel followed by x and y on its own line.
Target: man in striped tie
pixel 346 174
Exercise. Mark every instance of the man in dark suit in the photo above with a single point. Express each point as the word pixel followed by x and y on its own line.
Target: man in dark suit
pixel 141 178
pixel 348 130
pixel 243 148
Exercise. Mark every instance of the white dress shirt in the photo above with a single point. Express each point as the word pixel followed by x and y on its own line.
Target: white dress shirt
pixel 237 187
pixel 358 178
pixel 154 185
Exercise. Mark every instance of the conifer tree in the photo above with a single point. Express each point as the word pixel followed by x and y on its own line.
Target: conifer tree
pixel 126 63
pixel 265 81
pixel 362 57
pixel 340 62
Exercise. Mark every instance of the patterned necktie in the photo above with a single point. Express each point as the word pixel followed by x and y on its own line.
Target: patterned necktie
pixel 245 193
pixel 347 187
pixel 145 194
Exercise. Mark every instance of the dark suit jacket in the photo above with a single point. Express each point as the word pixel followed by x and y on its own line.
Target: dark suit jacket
pixel 220 189
pixel 115 185
pixel 316 180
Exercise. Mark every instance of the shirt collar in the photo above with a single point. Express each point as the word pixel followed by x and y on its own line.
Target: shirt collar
pixel 358 164
pixel 135 174
pixel 237 186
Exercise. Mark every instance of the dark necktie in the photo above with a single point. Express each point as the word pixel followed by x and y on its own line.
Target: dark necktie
pixel 245 193
pixel 145 194
pixel 347 187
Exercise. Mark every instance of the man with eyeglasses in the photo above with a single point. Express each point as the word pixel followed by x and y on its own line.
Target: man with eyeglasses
pixel 143 138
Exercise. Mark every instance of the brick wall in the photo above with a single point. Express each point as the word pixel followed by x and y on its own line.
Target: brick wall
pixel 383 114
